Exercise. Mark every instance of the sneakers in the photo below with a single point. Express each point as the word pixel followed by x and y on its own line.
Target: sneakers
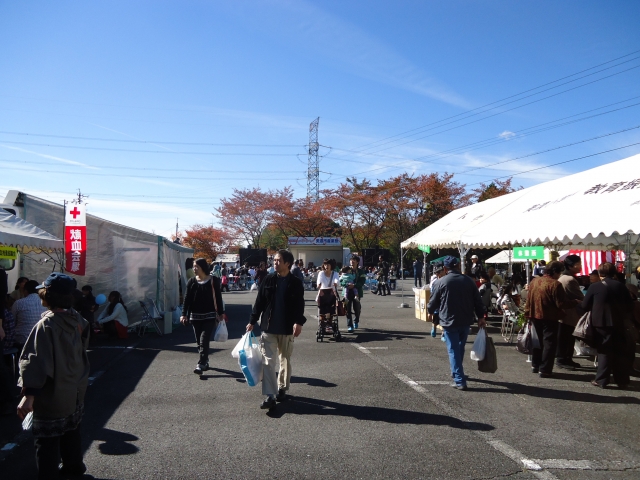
pixel 201 368
pixel 433 332
pixel 565 366
pixel 72 472
pixel 349 329
pixel 268 403
pixel 282 395
pixel 355 326
pixel 458 387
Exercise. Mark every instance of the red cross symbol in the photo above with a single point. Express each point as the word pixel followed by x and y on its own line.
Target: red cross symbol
pixel 75 212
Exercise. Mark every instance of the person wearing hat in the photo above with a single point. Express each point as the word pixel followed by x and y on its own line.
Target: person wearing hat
pixel 457 301
pixel 438 272
pixel 476 267
pixel 54 373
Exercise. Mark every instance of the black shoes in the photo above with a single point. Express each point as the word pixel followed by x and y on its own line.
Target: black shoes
pixel 565 366
pixel 76 472
pixel 201 368
pixel 535 370
pixel 268 403
pixel 545 375
pixel 282 395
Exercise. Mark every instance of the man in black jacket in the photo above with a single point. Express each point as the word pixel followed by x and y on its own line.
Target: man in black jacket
pixel 280 308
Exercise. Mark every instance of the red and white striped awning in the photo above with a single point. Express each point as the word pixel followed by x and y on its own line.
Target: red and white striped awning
pixel 592 258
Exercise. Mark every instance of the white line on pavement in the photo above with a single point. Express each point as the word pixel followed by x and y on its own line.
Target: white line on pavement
pixel 500 446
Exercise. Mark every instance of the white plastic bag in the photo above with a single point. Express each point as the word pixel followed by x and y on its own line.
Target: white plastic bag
pixel 254 286
pixel 222 334
pixel 479 346
pixel 235 353
pixel 584 350
pixel 250 360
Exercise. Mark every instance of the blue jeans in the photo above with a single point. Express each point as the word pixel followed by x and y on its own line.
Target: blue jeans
pixel 456 337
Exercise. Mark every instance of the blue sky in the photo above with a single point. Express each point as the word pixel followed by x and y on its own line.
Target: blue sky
pixel 230 88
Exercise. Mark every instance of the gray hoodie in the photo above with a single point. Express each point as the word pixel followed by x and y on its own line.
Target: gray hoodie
pixel 54 366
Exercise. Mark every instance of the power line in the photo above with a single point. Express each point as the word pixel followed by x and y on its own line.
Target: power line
pixel 102 139
pixel 403 134
pixel 504 111
pixel 173 152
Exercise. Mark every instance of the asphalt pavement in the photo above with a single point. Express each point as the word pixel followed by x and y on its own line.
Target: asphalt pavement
pixel 376 405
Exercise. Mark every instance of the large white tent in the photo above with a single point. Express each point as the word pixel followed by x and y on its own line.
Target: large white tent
pixel 596 209
pixel 18 233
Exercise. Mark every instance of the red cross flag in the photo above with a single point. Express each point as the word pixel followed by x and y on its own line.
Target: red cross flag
pixel 75 239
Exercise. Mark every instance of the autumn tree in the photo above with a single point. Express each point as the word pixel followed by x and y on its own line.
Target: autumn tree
pixel 209 241
pixel 246 214
pixel 497 188
pixel 360 210
pixel 302 217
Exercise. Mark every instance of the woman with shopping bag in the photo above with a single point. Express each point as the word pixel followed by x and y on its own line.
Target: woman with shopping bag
pixel 203 306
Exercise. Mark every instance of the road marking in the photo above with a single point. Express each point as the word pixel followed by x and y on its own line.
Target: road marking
pixel 481 384
pixel 507 450
pixel 563 464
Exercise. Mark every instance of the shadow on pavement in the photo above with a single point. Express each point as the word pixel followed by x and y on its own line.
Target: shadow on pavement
pixel 364 335
pixel 116 443
pixel 311 406
pixel 554 394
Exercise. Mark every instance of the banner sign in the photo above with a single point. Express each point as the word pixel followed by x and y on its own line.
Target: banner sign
pixel 332 241
pixel 10 253
pixel 75 239
pixel 528 252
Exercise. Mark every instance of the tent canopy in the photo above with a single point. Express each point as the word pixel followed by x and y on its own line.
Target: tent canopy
pixel 595 209
pixel 15 232
pixel 503 257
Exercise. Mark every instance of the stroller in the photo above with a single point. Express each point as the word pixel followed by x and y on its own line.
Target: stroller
pixel 328 325
pixel 510 313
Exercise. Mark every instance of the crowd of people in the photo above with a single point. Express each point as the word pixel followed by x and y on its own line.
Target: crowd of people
pixel 553 301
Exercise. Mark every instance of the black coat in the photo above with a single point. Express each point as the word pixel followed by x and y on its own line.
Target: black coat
pixel 294 303
pixel 609 302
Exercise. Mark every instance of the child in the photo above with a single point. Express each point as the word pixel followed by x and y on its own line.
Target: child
pixel 54 372
pixel 347 281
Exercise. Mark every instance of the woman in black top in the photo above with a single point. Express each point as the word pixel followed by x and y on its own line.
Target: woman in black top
pixel 202 308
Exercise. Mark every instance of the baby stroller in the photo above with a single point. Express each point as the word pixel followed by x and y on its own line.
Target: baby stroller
pixel 328 322
pixel 509 315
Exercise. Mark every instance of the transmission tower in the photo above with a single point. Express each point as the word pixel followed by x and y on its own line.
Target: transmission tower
pixel 313 170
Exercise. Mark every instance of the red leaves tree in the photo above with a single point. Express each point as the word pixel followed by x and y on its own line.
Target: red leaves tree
pixel 494 189
pixel 246 214
pixel 208 242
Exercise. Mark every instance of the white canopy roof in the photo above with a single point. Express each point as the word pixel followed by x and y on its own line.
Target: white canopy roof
pixel 503 257
pixel 19 233
pixel 594 209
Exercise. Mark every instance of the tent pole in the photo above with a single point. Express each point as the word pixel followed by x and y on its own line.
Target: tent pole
pixel 463 256
pixel 402 305
pixel 510 267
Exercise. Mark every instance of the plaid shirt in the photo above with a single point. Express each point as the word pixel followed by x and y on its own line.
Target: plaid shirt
pixel 27 312
pixel 9 327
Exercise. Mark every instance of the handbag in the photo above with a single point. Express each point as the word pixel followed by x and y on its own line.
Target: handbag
pixel 341 311
pixel 584 330
pixel 524 342
pixel 489 364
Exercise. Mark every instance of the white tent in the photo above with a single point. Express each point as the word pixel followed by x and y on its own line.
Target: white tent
pixel 597 209
pixel 15 232
pixel 503 257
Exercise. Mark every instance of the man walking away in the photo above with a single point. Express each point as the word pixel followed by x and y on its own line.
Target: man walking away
pixel 297 271
pixel 545 303
pixel 383 277
pixel 566 341
pixel 279 306
pixel 458 302
pixel 417 273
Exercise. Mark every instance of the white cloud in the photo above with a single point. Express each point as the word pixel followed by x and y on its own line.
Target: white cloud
pixel 506 135
pixel 358 52
pixel 51 157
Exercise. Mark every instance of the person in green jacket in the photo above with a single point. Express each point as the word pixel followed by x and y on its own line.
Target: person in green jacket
pixel 353 305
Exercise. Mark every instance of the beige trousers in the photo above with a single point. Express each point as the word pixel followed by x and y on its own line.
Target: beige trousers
pixel 282 347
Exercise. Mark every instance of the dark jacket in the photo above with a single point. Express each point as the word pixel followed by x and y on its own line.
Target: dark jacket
pixel 456 299
pixel 609 302
pixel 361 280
pixel 193 304
pixel 54 365
pixel 547 299
pixel 294 303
